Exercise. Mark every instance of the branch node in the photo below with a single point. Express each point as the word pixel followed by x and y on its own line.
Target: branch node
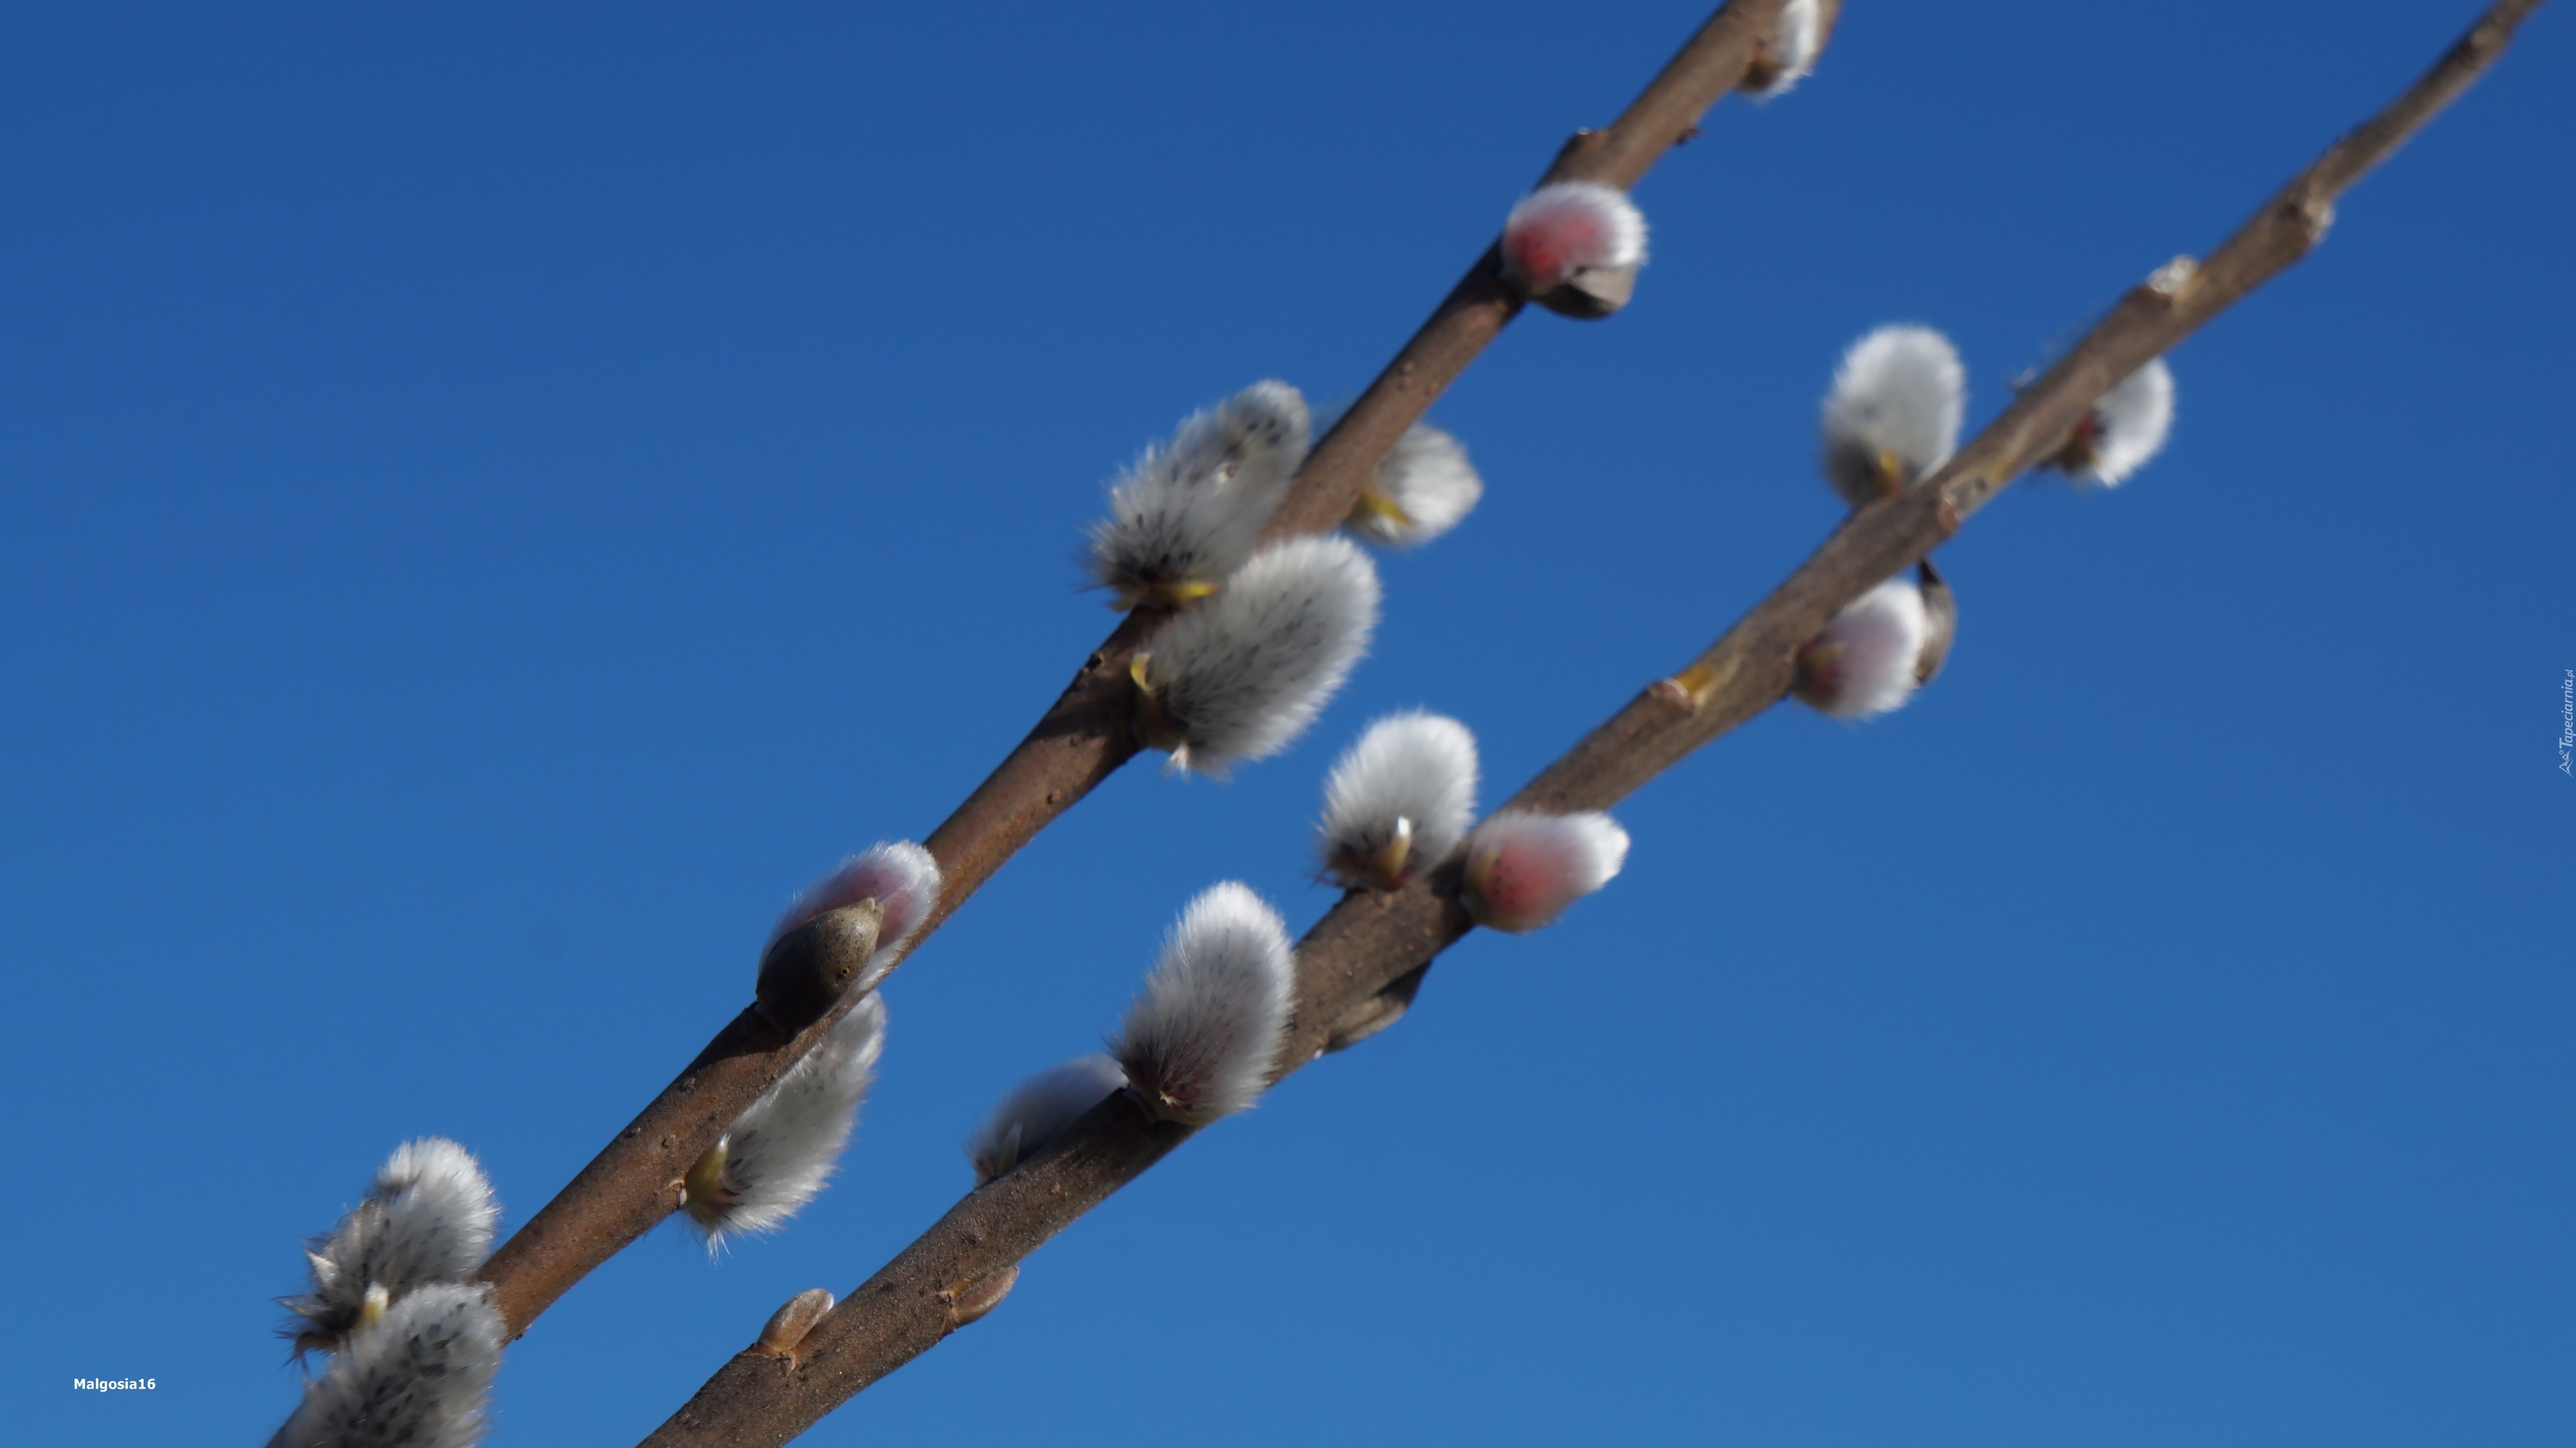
pixel 1691 687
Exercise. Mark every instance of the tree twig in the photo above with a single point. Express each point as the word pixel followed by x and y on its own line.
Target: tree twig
pixel 1359 964
pixel 1085 735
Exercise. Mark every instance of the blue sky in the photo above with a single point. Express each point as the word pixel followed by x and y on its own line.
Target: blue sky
pixel 491 502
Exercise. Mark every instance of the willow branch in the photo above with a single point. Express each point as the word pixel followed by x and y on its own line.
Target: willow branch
pixel 1085 735
pixel 1359 965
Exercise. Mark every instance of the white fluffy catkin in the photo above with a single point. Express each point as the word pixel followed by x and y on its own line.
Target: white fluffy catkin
pixel 783 1147
pixel 1523 869
pixel 1243 674
pixel 1788 54
pixel 1424 486
pixel 901 877
pixel 1200 1041
pixel 1191 511
pixel 417 1377
pixel 1865 660
pixel 1399 800
pixel 1556 233
pixel 2126 428
pixel 428 1219
pixel 1894 412
pixel 1037 1109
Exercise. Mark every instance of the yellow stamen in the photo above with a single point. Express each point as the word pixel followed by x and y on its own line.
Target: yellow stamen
pixel 1154 727
pixel 1378 505
pixel 703 1189
pixel 1891 475
pixel 1386 867
pixel 1161 595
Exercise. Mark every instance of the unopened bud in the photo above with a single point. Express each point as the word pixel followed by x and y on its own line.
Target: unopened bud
pixel 789 1325
pixel 1940 621
pixel 971 1302
pixel 806 971
pixel 904 881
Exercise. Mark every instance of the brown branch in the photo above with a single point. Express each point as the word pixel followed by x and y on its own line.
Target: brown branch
pixel 1359 965
pixel 1085 736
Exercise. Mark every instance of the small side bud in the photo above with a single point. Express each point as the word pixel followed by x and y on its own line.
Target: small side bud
pixel 1894 413
pixel 784 1147
pixel 794 1319
pixel 2174 278
pixel 1940 621
pixel 1575 247
pixel 1241 676
pixel 1038 1110
pixel 1200 1041
pixel 428 1219
pixel 1424 486
pixel 1523 869
pixel 1398 801
pixel 417 1377
pixel 1376 1013
pixel 2125 429
pixel 805 972
pixel 904 881
pixel 971 1302
pixel 1868 659
pixel 1191 511
pixel 1788 53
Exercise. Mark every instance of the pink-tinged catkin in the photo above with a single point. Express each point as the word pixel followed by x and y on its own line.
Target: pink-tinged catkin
pixel 1523 869
pixel 2125 429
pixel 1868 658
pixel 1577 237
